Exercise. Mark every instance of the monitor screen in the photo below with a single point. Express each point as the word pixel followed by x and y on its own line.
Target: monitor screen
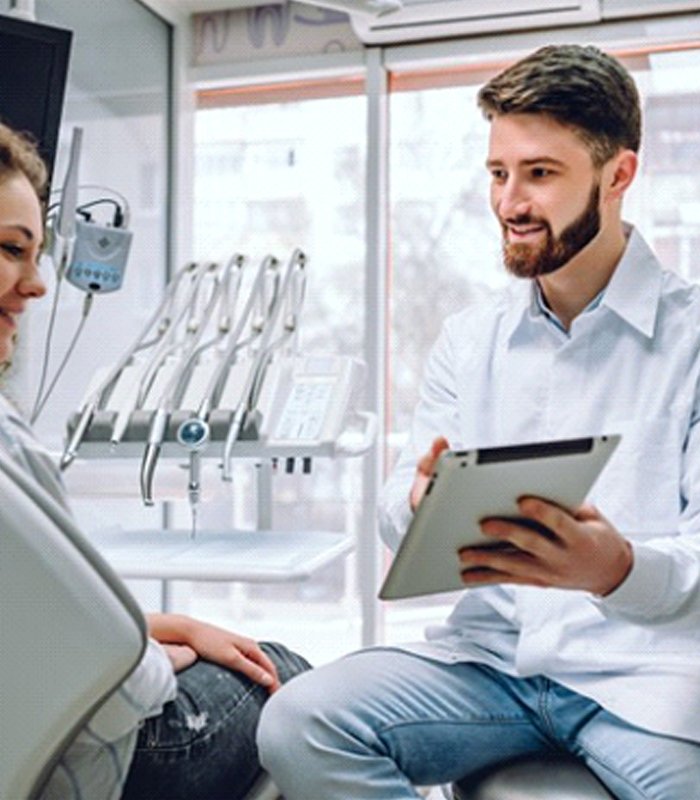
pixel 33 70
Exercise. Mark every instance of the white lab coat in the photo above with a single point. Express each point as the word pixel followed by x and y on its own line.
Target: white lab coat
pixel 504 373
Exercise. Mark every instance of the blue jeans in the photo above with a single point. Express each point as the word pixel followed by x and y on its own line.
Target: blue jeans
pixel 202 747
pixel 376 723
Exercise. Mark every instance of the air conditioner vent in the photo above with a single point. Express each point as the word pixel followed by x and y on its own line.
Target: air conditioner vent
pixel 436 19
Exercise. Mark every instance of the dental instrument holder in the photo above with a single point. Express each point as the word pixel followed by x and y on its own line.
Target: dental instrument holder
pixel 278 386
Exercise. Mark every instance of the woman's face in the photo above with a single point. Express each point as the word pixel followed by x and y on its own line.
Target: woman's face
pixel 21 234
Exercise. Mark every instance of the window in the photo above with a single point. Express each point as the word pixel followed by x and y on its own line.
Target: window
pixel 272 175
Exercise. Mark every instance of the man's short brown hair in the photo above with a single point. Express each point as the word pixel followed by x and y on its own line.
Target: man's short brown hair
pixel 579 86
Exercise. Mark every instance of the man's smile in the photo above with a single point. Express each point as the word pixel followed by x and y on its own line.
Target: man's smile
pixel 517 234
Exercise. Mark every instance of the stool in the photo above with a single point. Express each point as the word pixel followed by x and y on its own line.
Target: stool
pixel 263 789
pixel 539 778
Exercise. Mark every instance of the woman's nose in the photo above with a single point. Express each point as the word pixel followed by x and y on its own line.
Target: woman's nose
pixel 31 283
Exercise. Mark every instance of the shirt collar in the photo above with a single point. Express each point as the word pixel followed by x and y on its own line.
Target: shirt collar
pixel 634 290
pixel 632 293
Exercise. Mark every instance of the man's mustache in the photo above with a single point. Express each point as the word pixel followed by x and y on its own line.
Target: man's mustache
pixel 524 219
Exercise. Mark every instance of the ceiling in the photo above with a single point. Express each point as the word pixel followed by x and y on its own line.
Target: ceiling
pixel 371 7
pixel 195 6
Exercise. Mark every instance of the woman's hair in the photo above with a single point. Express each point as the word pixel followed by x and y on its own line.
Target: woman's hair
pixel 19 155
pixel 578 86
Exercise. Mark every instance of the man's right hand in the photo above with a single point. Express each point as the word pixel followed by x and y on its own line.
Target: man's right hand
pixel 425 469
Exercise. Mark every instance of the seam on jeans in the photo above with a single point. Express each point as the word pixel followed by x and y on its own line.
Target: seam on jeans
pixel 210 731
pixel 545 718
pixel 476 721
pixel 603 763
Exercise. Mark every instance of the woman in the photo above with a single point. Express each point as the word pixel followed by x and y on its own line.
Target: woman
pixel 183 724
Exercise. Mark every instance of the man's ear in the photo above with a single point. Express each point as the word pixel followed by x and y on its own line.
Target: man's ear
pixel 621 170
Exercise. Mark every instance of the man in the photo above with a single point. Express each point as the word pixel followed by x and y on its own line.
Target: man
pixel 588 641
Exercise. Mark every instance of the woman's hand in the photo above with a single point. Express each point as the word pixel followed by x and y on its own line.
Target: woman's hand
pixel 181 656
pixel 211 643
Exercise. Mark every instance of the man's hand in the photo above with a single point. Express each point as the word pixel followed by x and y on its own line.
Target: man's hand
pixel 424 471
pixel 584 551
pixel 214 644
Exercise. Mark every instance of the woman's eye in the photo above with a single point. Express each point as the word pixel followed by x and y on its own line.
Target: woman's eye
pixel 14 250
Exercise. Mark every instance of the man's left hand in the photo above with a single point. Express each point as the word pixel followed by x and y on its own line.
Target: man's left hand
pixel 584 551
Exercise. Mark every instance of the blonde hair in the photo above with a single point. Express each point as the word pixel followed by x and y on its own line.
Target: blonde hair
pixel 19 155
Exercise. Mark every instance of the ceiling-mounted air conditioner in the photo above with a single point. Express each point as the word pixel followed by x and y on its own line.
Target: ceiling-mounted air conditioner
pixel 438 19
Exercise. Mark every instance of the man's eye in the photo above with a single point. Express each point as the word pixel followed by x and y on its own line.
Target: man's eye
pixel 541 172
pixel 498 175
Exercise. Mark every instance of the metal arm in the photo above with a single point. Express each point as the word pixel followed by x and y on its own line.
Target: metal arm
pixel 195 328
pixel 256 374
pixel 98 397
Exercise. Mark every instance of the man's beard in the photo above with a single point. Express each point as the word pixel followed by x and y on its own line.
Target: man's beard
pixel 528 261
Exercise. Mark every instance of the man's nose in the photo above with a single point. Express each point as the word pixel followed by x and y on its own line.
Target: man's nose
pixel 513 200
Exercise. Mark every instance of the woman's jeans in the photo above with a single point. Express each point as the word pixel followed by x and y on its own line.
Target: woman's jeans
pixel 202 747
pixel 377 723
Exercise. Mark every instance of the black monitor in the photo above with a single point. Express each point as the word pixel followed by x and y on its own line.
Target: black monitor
pixel 33 70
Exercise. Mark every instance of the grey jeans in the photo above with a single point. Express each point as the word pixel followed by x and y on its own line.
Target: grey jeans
pixel 202 747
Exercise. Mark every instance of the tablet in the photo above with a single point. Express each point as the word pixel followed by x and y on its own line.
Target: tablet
pixel 468 486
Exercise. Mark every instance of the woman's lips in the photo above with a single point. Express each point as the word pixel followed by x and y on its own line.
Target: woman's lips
pixel 8 318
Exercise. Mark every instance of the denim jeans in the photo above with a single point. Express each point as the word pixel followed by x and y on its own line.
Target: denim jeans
pixel 202 747
pixel 377 723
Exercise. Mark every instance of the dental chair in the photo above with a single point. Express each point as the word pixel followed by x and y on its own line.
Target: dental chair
pixel 70 634
pixel 556 777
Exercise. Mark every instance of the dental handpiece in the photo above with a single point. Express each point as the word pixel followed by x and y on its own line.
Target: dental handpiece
pixel 98 398
pixel 262 359
pixel 78 434
pixel 156 435
pixel 171 394
pixel 194 435
pixel 228 356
